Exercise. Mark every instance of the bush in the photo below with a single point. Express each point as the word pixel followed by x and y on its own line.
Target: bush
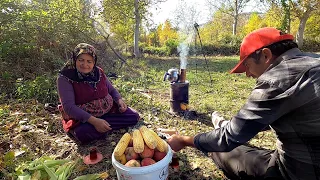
pixel 42 88
pixel 229 46
pixel 171 45
pixel 215 49
pixel 228 39
pixel 311 45
pixel 7 86
pixel 160 51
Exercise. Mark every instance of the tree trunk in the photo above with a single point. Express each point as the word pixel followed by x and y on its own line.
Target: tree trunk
pixel 235 18
pixel 289 22
pixel 302 25
pixel 234 26
pixel 137 29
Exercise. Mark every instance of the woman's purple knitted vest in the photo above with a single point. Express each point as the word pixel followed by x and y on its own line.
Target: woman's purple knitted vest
pixel 84 92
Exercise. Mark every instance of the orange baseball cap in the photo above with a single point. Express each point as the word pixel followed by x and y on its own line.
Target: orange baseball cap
pixel 256 40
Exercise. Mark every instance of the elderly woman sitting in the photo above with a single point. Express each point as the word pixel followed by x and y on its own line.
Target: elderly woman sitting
pixel 91 106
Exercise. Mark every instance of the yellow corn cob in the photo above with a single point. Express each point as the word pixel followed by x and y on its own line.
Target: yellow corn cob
pixel 138 143
pixel 148 137
pixel 122 144
pixel 121 159
pixel 161 144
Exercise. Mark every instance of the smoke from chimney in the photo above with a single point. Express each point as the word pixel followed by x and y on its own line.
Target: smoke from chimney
pixel 184 50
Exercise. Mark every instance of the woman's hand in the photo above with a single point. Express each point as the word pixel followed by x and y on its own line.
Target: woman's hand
pixel 101 125
pixel 122 106
pixel 178 142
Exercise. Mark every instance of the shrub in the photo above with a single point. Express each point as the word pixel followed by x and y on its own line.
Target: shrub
pixel 311 45
pixel 43 88
pixel 171 45
pixel 216 49
pixel 160 51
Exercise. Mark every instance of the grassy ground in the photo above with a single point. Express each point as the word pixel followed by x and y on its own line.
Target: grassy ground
pixel 211 88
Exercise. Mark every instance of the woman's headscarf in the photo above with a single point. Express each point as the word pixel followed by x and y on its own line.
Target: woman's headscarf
pixel 70 71
pixel 84 48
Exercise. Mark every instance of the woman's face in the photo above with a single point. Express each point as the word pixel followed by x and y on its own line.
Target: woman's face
pixel 84 63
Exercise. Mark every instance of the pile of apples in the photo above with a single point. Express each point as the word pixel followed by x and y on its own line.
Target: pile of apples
pixel 148 157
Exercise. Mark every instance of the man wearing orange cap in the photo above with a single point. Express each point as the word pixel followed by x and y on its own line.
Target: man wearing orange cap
pixel 286 98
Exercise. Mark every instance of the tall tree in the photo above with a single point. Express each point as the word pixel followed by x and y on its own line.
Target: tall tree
pixel 313 27
pixel 166 32
pixel 120 18
pixel 128 14
pixel 286 19
pixel 217 29
pixel 271 17
pixel 137 29
pixel 255 22
pixel 232 8
pixel 303 9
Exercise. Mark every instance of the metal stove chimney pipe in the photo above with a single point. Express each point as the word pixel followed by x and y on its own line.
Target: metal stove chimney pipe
pixel 182 76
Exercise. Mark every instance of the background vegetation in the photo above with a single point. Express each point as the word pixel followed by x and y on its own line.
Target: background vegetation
pixel 37 37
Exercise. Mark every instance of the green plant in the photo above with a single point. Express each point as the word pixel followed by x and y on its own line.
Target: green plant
pixel 42 88
pixel 4 113
pixel 171 45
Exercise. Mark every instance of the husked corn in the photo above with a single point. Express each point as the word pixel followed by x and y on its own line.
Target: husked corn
pixel 121 159
pixel 148 137
pixel 138 143
pixel 122 144
pixel 161 144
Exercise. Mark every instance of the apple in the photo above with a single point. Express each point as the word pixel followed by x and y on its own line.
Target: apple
pixel 147 152
pixel 130 154
pixel 159 155
pixel 147 162
pixel 133 163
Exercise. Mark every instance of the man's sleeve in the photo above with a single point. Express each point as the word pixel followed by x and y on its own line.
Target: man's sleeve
pixel 265 105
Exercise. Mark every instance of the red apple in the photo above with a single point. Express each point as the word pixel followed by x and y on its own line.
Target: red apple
pixel 147 162
pixel 133 163
pixel 147 152
pixel 159 155
pixel 130 154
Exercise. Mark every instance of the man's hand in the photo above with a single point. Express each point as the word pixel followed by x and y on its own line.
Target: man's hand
pixel 122 106
pixel 101 125
pixel 178 142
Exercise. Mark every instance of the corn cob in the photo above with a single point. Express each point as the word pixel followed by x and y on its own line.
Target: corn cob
pixel 138 143
pixel 149 139
pixel 122 144
pixel 121 159
pixel 161 144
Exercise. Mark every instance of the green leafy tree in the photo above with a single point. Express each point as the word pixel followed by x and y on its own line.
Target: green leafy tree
pixel 35 36
pixel 313 27
pixel 271 17
pixel 232 8
pixel 217 29
pixel 255 22
pixel 127 15
pixel 166 32
pixel 303 9
pixel 286 19
pixel 153 38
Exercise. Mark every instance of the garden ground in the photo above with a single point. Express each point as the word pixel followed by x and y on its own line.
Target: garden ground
pixel 30 130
